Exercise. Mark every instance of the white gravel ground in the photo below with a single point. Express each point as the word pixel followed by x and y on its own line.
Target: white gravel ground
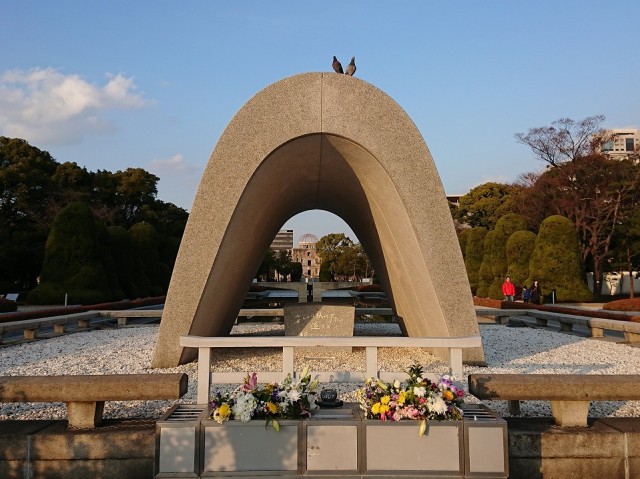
pixel 129 350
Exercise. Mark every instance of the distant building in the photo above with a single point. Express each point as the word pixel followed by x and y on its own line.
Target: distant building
pixel 454 199
pixel 283 241
pixel 624 143
pixel 306 255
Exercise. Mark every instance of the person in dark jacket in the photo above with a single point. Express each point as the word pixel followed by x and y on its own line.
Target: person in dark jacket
pixel 526 294
pixel 535 292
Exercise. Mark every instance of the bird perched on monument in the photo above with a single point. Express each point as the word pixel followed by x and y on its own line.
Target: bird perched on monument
pixel 337 66
pixel 351 67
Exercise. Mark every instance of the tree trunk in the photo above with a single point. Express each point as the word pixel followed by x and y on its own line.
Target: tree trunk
pixel 630 269
pixel 597 278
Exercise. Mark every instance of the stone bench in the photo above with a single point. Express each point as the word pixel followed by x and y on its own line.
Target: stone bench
pixel 630 329
pixel 30 327
pixel 501 316
pixel 85 395
pixel 123 316
pixel 567 321
pixel 569 394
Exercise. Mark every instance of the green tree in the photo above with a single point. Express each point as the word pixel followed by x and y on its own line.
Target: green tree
pixel 330 248
pixel 136 188
pixel 485 274
pixel 77 262
pixel 485 204
pixel 267 266
pixel 123 253
pixel 595 193
pixel 463 237
pixel 474 254
pixel 626 244
pixel 25 210
pixel 34 188
pixel 325 274
pixel 505 227
pixel 296 271
pixel 283 264
pixel 519 250
pixel 145 241
pixel 72 183
pixel 555 261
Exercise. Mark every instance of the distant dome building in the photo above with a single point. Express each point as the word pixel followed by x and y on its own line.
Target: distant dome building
pixel 306 255
pixel 307 238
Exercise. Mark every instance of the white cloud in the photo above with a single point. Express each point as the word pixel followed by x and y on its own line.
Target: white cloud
pixel 179 179
pixel 175 165
pixel 44 105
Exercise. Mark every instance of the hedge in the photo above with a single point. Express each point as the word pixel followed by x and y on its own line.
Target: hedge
pixel 46 313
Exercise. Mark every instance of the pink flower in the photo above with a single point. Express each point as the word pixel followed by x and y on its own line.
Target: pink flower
pixel 250 383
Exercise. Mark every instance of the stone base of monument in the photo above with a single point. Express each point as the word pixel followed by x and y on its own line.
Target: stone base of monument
pixel 315 319
pixel 337 443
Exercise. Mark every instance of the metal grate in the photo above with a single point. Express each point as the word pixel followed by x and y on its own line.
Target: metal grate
pixel 186 412
pixel 477 412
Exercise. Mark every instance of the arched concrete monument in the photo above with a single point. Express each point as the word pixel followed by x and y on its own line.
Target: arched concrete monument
pixel 329 142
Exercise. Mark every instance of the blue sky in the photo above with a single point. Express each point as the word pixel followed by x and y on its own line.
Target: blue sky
pixel 153 84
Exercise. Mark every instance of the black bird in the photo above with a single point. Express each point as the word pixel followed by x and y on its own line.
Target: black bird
pixel 337 66
pixel 351 67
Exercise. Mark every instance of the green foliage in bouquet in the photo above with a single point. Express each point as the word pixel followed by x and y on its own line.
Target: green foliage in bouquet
pixel 417 398
pixel 291 399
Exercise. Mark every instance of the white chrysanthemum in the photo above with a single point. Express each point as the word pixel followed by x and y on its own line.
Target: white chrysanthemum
pixel 245 406
pixel 293 395
pixel 419 391
pixel 439 406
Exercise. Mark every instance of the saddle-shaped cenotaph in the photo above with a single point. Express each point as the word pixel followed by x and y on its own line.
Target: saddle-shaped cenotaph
pixel 330 142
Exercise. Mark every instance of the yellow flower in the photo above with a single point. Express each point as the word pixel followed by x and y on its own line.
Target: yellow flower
pixel 384 408
pixel 385 399
pixel 375 409
pixel 272 408
pixel 222 414
pixel 448 395
pixel 402 398
pixel 224 410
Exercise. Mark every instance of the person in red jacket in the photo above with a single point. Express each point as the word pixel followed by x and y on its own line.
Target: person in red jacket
pixel 508 290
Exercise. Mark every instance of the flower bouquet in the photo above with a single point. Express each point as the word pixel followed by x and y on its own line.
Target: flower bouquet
pixel 291 399
pixel 417 398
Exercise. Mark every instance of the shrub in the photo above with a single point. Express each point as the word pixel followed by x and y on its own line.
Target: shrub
pixel 519 250
pixel 296 271
pixel 473 256
pixel 623 305
pixel 77 261
pixel 145 240
pixel 463 237
pixel 485 274
pixel 7 306
pixel 505 227
pixel 122 252
pixel 325 275
pixel 555 262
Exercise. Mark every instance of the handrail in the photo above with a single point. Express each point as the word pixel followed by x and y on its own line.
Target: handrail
pixel 288 343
